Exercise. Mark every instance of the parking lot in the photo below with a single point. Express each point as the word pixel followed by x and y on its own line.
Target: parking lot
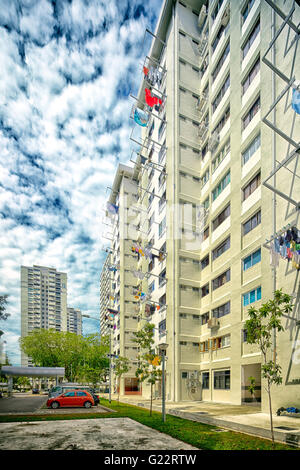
pixel 86 434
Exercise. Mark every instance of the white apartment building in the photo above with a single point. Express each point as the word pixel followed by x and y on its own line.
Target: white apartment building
pixel 74 320
pixel 43 301
pixel 203 156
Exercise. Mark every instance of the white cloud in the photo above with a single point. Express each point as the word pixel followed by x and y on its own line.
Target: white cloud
pixel 64 125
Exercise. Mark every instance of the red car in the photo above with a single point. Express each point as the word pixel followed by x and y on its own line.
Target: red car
pixel 71 398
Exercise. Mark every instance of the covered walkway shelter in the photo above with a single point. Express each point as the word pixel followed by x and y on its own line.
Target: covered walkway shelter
pixel 12 371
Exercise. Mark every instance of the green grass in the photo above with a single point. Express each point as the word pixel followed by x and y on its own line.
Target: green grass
pixel 202 436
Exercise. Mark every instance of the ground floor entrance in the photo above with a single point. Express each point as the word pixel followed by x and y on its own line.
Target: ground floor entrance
pixel 132 386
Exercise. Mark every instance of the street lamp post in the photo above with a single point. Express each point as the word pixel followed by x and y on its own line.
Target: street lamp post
pixel 162 348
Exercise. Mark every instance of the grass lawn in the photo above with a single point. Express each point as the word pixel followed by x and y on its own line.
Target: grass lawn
pixel 202 436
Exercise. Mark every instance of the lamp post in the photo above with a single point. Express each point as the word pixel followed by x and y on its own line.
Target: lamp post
pixel 163 347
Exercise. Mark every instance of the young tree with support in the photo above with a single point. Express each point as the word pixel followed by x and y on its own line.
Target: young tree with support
pixel 261 325
pixel 149 363
pixel 121 366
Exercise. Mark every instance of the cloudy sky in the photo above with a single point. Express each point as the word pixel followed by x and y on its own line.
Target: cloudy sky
pixel 67 69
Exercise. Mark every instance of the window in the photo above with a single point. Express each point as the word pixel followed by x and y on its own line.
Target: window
pixel 162 327
pixel 221 311
pixel 162 278
pixel 246 10
pixel 162 227
pixel 204 318
pixel 221 280
pixel 206 203
pixel 251 149
pixel 221 217
pixel 184 375
pixel 151 287
pixel 205 380
pixel 221 186
pixel 251 113
pixel 81 394
pixel 220 95
pixel 205 290
pixel 252 36
pixel 222 121
pixel 216 10
pixel 221 155
pixel 204 346
pixel 253 222
pixel 224 246
pixel 218 38
pixel 205 262
pixel 162 300
pixel 251 187
pixel 252 296
pixel 162 127
pixel 251 75
pixel 70 394
pixel 221 62
pixel 205 178
pixel 222 380
pixel 206 233
pixel 252 260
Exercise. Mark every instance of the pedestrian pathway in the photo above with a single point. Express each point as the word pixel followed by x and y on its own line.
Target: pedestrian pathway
pixel 245 418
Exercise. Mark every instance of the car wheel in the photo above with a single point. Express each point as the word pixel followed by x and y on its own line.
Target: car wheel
pixel 87 404
pixel 55 405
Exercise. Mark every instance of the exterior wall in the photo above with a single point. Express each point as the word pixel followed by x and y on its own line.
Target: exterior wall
pixel 205 139
pixel 74 321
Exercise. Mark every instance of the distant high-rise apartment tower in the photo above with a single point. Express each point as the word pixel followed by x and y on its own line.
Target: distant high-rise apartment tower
pixel 74 323
pixel 43 301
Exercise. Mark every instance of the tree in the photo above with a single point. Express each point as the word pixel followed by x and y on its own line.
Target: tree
pixel 3 302
pixel 260 326
pixel 121 367
pixel 82 357
pixel 148 367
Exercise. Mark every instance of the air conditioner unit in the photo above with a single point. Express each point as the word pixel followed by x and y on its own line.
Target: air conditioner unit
pixel 201 101
pixel 202 131
pixel 213 323
pixel 202 43
pixel 213 142
pixel 202 16
pixel 226 16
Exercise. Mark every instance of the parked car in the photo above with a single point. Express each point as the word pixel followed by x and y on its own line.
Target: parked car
pixel 35 390
pixel 96 398
pixel 71 398
pixel 65 387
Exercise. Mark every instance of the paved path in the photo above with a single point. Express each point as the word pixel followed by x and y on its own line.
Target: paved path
pixel 86 434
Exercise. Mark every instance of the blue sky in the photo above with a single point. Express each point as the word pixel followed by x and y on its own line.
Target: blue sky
pixel 68 67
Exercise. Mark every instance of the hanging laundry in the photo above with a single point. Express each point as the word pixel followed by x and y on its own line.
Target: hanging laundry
pixel 146 71
pixel 148 252
pixel 296 100
pixel 112 208
pixel 151 100
pixel 140 117
pixel 112 311
pixel 139 274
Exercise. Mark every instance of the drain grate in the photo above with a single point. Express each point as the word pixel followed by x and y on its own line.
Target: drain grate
pixel 285 428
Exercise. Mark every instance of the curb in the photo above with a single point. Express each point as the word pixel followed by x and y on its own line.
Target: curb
pixel 283 437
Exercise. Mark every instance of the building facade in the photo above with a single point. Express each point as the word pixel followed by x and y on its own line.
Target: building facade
pixel 204 151
pixel 43 301
pixel 74 320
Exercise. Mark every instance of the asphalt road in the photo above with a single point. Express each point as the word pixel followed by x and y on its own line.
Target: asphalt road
pixel 22 403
